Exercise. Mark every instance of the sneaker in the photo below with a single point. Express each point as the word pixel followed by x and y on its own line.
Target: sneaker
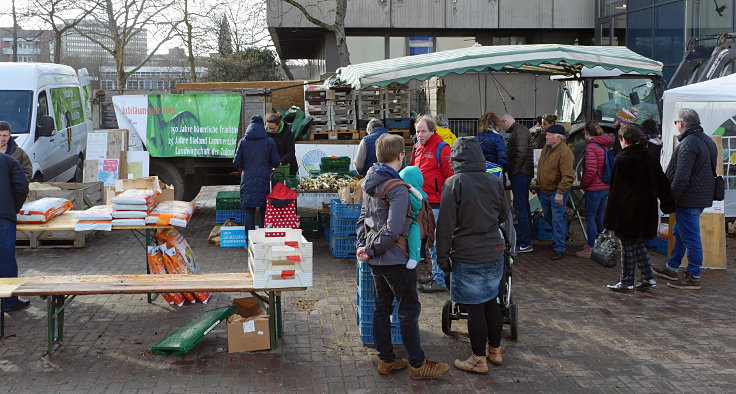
pixel 425 279
pixel 385 368
pixel 429 370
pixel 586 252
pixel 645 285
pixel 557 255
pixel 665 272
pixel 16 306
pixel 432 287
pixel 524 248
pixel 495 355
pixel 621 288
pixel 686 282
pixel 473 364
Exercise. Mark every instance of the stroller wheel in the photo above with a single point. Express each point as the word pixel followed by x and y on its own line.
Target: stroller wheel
pixel 513 322
pixel 446 319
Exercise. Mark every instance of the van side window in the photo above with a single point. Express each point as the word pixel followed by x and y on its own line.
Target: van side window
pixel 42 106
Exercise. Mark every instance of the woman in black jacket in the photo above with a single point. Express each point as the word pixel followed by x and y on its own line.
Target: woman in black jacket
pixel 631 213
pixel 281 134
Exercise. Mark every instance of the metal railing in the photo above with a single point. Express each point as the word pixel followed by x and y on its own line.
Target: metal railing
pixel 463 127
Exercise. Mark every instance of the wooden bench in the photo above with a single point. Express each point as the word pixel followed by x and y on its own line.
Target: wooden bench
pixel 61 291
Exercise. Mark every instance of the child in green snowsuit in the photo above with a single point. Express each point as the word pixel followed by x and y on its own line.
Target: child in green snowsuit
pixel 413 176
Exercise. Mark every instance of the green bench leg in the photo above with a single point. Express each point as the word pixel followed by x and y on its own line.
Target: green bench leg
pixel 56 305
pixel 275 323
pixel 150 297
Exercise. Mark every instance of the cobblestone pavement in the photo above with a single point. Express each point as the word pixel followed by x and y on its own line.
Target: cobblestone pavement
pixel 575 335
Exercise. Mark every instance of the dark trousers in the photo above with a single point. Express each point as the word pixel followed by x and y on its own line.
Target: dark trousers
pixel 485 323
pixel 8 264
pixel 634 254
pixel 395 281
pixel 520 190
pixel 250 218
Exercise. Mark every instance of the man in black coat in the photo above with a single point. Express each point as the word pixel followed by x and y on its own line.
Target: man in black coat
pixel 631 211
pixel 520 151
pixel 690 173
pixel 13 192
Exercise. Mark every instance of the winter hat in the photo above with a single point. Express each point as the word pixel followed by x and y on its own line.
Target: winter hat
pixel 626 116
pixel 556 129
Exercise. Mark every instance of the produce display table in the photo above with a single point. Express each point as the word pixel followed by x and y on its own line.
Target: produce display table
pixel 63 289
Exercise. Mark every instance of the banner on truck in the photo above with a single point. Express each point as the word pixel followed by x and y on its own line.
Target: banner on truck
pixel 182 125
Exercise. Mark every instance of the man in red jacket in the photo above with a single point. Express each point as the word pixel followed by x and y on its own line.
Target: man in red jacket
pixel 432 155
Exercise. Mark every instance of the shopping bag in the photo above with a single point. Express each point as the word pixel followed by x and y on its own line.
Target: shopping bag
pixel 604 250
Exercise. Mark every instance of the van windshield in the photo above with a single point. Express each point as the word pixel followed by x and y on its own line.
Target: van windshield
pixel 15 108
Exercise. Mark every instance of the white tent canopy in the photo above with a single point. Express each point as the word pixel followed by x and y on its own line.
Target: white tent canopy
pixel 715 103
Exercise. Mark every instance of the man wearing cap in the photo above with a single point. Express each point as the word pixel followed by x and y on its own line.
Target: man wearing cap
pixel 555 175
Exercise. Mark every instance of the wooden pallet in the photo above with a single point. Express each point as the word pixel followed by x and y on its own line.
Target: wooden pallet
pixel 406 133
pixel 52 239
pixel 336 135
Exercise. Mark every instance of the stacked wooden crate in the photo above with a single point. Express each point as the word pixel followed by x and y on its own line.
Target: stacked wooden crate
pixel 370 105
pixel 342 110
pixel 396 108
pixel 315 105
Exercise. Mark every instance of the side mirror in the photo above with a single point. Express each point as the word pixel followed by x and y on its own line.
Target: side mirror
pixel 635 100
pixel 45 127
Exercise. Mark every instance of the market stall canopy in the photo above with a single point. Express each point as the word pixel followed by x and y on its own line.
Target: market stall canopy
pixel 541 59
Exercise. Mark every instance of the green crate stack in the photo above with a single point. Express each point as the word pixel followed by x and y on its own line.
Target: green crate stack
pixel 310 227
pixel 338 165
pixel 324 224
pixel 227 200
pixel 282 174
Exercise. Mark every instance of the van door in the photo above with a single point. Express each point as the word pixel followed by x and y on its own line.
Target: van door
pixel 69 119
pixel 45 150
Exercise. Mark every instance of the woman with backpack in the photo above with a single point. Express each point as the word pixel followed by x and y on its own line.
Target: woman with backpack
pixel 595 181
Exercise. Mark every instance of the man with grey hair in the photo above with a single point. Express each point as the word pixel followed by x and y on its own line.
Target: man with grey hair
pixel 690 173
pixel 520 152
pixel 366 155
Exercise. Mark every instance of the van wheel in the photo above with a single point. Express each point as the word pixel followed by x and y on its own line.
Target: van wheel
pixel 168 174
pixel 37 177
pixel 79 172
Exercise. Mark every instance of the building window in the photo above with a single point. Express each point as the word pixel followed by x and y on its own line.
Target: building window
pixel 610 7
pixel 639 32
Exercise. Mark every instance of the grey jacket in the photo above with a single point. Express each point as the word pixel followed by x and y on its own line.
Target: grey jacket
pixel 690 170
pixel 473 205
pixel 379 226
pixel 520 150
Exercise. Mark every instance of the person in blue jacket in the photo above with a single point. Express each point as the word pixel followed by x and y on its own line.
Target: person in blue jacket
pixel 13 193
pixel 365 158
pixel 255 156
pixel 492 143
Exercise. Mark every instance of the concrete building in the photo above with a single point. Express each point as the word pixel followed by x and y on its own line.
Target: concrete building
pixel 74 45
pixel 33 45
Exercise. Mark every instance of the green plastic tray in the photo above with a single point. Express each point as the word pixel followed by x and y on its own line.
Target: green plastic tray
pixel 184 339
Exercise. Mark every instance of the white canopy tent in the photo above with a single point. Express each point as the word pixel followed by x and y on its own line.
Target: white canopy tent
pixel 715 102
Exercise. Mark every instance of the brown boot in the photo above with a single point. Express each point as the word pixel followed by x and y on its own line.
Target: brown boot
pixel 385 368
pixel 473 364
pixel 429 370
pixel 495 355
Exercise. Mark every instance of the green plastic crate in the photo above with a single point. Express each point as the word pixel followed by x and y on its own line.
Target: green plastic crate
pixel 291 181
pixel 227 200
pixel 310 226
pixel 339 165
pixel 184 339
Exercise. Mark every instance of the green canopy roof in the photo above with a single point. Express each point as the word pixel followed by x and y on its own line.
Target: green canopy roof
pixel 542 59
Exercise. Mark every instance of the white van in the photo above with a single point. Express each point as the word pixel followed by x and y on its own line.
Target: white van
pixel 50 115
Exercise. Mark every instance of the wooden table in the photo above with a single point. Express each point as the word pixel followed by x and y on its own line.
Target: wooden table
pixel 63 289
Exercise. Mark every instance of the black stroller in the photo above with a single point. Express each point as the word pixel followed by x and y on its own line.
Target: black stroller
pixel 452 311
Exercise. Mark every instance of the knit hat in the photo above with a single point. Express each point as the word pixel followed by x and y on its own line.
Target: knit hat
pixel 626 116
pixel 556 129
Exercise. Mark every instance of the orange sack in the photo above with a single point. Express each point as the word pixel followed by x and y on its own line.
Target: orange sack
pixel 156 266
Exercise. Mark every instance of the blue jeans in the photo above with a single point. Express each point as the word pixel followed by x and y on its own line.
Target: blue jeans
pixel 520 189
pixel 595 206
pixel 687 239
pixel 437 273
pixel 8 264
pixel 250 218
pixel 395 281
pixel 555 216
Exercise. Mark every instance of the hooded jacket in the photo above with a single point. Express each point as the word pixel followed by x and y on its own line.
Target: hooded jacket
pixel 494 148
pixel 256 155
pixel 379 226
pixel 636 184
pixel 435 170
pixel 13 187
pixel 473 205
pixel 520 150
pixel 284 140
pixel 595 164
pixel 21 156
pixel 690 171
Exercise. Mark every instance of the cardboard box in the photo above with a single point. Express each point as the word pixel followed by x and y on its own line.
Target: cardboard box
pixel 247 328
pixel 148 183
pixel 232 236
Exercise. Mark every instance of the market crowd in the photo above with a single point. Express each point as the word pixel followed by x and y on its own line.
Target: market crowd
pixel 457 186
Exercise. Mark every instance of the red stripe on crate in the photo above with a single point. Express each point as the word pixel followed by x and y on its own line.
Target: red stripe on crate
pixel 287 274
pixel 293 244
pixel 294 258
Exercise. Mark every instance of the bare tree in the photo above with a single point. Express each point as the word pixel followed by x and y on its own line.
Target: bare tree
pixel 15 32
pixel 116 23
pixel 337 27
pixel 61 16
pixel 246 23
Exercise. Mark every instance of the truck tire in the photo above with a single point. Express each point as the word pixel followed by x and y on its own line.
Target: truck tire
pixel 79 171
pixel 168 174
pixel 193 186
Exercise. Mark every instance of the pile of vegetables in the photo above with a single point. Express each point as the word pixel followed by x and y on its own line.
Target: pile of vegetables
pixel 326 181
